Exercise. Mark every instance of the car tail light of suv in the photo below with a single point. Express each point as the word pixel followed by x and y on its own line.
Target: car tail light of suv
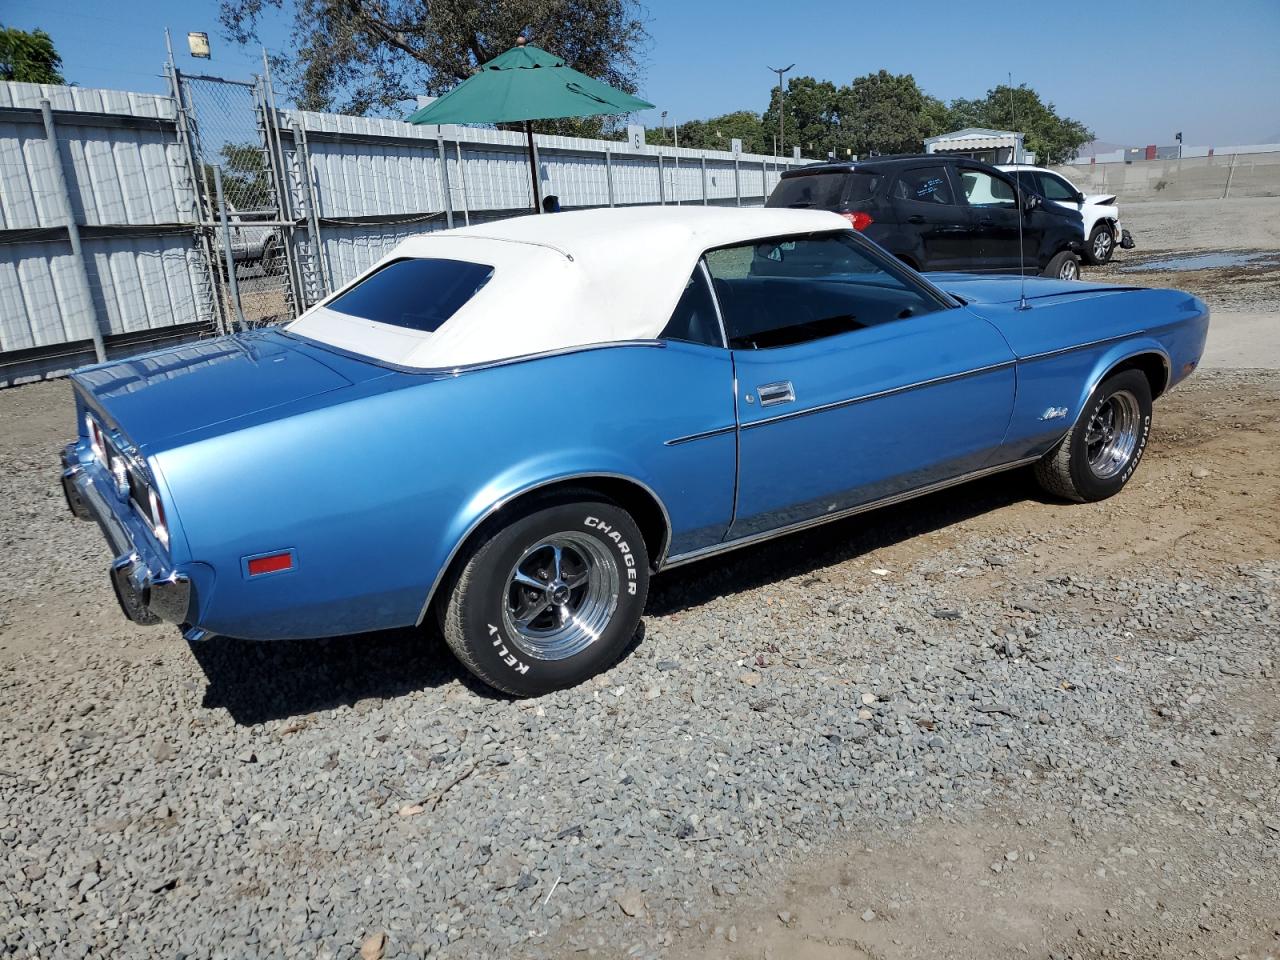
pixel 859 218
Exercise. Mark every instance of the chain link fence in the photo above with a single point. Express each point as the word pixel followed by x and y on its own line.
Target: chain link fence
pixel 247 234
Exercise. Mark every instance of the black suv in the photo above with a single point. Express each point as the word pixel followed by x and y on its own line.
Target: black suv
pixel 942 213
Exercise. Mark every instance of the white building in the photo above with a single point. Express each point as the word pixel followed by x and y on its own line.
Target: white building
pixel 977 143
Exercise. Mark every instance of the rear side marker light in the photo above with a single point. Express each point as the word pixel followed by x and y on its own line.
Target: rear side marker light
pixel 271 563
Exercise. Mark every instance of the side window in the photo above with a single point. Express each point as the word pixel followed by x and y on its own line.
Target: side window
pixel 981 189
pixel 792 290
pixel 924 185
pixel 1055 188
pixel 694 319
pixel 1028 180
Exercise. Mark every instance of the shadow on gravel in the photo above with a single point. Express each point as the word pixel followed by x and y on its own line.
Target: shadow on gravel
pixel 257 681
pixel 800 553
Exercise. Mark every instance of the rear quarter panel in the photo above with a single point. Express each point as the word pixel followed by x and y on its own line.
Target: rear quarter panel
pixel 374 493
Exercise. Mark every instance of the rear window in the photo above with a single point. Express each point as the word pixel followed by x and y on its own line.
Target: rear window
pixel 419 294
pixel 824 191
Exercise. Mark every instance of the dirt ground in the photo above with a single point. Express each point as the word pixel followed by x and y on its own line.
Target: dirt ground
pixel 1209 499
pixel 1009 881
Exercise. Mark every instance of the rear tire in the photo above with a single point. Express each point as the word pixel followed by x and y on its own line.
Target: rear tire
pixel 1102 449
pixel 1063 266
pixel 549 599
pixel 1101 245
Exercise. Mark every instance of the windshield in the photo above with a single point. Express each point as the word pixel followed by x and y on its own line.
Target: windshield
pixel 420 294
pixel 824 191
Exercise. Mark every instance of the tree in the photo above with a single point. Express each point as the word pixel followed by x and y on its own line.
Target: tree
pixel 886 113
pixel 718 133
pixel 1054 139
pixel 812 117
pixel 29 57
pixel 369 56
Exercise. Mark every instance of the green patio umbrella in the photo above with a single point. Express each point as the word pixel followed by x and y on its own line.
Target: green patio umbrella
pixel 527 83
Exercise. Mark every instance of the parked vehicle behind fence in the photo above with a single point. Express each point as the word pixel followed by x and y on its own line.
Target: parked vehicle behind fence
pixel 506 429
pixel 935 212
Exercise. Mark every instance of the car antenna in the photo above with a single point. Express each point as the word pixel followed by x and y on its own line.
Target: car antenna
pixel 1017 186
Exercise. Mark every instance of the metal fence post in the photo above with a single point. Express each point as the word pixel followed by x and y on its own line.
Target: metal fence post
pixel 608 174
pixel 443 170
pixel 462 176
pixel 303 150
pixel 275 150
pixel 226 246
pixel 737 182
pixel 764 180
pixel 662 181
pixel 73 230
pixel 704 181
pixel 207 247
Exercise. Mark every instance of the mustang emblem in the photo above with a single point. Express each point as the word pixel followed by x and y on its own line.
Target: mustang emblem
pixel 1054 413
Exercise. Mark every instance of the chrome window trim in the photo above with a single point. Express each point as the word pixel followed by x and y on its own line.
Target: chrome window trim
pixel 718 548
pixel 436 372
pixel 513 495
pixel 715 299
pixel 891 391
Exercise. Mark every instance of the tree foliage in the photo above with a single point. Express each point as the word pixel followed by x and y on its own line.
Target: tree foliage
pixel 718 133
pixel 1054 139
pixel 29 57
pixel 369 56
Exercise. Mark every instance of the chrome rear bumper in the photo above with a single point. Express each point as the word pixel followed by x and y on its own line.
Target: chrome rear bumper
pixel 148 590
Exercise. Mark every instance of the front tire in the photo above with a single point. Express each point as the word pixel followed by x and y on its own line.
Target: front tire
pixel 1063 266
pixel 551 598
pixel 1099 454
pixel 1101 245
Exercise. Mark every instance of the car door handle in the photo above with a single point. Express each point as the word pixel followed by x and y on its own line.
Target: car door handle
pixel 771 394
pixel 915 218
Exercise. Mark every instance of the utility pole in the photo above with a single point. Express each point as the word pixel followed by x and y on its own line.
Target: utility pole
pixel 782 112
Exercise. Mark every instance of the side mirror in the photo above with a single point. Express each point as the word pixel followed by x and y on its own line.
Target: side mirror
pixel 1030 201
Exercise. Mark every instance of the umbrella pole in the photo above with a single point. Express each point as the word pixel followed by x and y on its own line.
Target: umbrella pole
pixel 533 168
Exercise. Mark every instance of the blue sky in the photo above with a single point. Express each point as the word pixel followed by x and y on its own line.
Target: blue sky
pixel 1135 71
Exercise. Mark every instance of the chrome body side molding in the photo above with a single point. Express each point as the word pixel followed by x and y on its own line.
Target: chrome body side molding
pixel 718 548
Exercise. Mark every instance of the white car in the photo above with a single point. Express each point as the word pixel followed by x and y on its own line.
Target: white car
pixel 1102 230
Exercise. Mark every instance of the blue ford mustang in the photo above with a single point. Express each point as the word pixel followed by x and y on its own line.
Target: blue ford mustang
pixel 510 427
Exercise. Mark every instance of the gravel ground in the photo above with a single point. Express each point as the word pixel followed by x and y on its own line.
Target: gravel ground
pixel 773 770
pixel 980 725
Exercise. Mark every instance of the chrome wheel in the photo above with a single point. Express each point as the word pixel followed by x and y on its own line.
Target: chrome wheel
pixel 1070 270
pixel 561 594
pixel 1112 434
pixel 1102 244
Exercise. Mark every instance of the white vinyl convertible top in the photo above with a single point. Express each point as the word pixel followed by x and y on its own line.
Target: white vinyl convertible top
pixel 559 280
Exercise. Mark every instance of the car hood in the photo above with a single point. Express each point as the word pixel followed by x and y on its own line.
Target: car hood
pixel 163 395
pixel 1100 199
pixel 1008 289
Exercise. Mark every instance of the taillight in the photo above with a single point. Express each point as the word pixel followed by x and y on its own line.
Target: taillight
pixel 95 438
pixel 158 525
pixel 859 218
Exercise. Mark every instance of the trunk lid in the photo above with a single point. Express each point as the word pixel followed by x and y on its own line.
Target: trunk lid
pixel 163 395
